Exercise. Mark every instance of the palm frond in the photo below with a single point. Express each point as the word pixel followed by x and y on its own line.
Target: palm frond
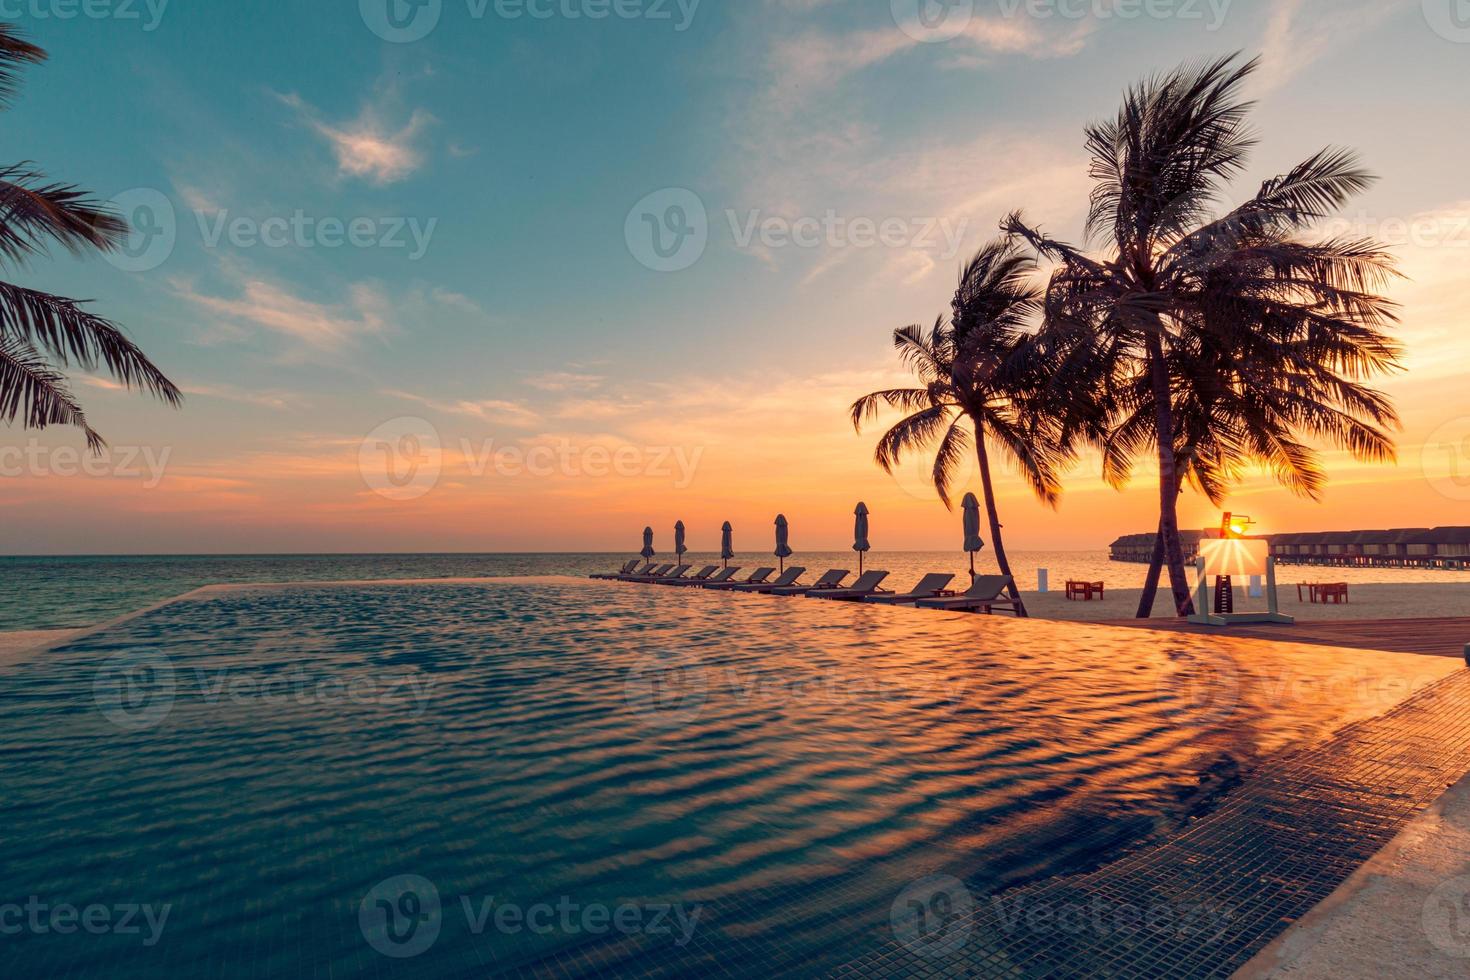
pixel 36 394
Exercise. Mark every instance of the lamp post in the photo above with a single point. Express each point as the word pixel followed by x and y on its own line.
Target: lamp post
pixel 1232 528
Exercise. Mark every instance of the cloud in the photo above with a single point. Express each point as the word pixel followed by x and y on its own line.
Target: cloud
pixel 1301 32
pixel 558 381
pixel 498 411
pixel 273 306
pixel 369 147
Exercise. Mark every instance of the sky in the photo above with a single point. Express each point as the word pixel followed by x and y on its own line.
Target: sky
pixel 529 275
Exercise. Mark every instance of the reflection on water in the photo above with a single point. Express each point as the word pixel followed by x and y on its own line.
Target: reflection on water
pixel 568 779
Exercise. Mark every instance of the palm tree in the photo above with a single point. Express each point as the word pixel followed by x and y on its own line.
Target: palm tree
pixel 33 213
pixel 982 378
pixel 1226 340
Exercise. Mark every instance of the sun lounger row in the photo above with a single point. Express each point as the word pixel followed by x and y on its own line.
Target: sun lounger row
pixel 985 595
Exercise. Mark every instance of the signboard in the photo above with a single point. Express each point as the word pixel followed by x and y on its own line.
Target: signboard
pixel 1234 556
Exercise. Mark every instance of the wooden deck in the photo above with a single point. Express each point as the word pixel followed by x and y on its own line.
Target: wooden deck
pixel 1433 637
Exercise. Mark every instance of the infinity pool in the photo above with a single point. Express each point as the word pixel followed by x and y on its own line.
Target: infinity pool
pixel 550 778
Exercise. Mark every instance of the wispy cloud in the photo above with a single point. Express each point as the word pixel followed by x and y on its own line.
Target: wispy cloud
pixel 498 411
pixel 369 147
pixel 1301 32
pixel 321 326
pixel 558 381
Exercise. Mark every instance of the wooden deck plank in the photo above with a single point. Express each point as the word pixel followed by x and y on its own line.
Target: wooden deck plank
pixel 1432 637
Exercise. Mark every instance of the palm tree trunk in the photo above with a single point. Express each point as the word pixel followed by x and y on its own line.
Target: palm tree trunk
pixel 1151 582
pixel 994 515
pixel 1168 478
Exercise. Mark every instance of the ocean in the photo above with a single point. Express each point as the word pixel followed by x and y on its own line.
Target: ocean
pixel 64 592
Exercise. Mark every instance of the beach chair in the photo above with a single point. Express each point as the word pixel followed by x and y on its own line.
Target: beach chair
pixel 832 579
pixel 625 570
pixel 932 586
pixel 659 572
pixel 758 577
pixel 722 576
pixel 788 577
pixel 697 578
pixel 678 572
pixel 984 596
pixel 866 585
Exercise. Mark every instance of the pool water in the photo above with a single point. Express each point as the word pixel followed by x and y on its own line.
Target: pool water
pixel 552 778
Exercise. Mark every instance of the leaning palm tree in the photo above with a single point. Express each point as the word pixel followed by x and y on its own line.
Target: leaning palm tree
pixel 1281 329
pixel 981 378
pixel 39 331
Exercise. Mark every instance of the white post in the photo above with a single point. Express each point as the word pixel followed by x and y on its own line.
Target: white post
pixel 1042 584
pixel 1256 588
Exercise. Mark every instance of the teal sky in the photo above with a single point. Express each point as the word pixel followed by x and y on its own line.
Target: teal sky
pixel 518 146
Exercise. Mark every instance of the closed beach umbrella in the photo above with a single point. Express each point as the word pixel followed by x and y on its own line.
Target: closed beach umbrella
pixel 727 544
pixel 783 540
pixel 648 551
pixel 860 534
pixel 679 548
pixel 971 508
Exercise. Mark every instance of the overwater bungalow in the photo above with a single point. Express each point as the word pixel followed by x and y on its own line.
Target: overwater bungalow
pixel 1443 547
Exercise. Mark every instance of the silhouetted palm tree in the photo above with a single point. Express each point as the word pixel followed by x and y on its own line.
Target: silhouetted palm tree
pixel 1225 340
pixel 982 377
pixel 34 213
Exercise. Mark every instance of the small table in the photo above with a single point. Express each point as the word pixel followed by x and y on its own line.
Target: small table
pixel 1323 592
pixel 1085 590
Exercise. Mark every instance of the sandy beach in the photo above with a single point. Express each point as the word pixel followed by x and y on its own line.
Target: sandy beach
pixel 1415 600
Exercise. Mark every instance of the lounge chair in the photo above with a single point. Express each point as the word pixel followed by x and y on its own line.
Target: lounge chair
pixel 931 587
pixel 658 572
pixel 757 578
pixel 697 578
pixel 679 572
pixel 722 576
pixel 788 577
pixel 625 570
pixel 984 596
pixel 831 580
pixel 866 585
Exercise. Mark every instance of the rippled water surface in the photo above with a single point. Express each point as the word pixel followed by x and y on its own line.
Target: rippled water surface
pixel 323 781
